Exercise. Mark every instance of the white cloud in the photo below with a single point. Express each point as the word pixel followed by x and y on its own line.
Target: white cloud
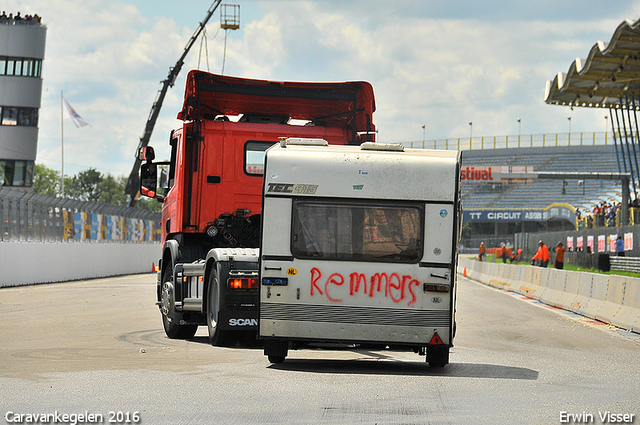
pixel 442 73
pixel 109 61
pixel 431 65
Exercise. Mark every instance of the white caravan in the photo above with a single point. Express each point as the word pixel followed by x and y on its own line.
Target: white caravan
pixel 359 246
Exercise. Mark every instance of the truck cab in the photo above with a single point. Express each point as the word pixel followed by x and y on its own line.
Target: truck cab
pixel 212 194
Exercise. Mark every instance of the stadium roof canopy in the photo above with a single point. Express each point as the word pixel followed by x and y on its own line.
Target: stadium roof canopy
pixel 607 78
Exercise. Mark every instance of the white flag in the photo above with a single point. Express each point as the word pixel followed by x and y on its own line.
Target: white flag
pixel 77 119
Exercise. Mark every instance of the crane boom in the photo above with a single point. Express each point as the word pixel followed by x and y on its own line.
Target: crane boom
pixel 132 184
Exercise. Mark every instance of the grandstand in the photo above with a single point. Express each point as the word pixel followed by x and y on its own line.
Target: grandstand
pixel 499 209
pixel 496 210
pixel 580 194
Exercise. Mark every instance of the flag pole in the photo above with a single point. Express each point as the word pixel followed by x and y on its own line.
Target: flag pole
pixel 62 140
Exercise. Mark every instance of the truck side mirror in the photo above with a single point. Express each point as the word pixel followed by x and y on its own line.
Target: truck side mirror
pixel 146 153
pixel 149 181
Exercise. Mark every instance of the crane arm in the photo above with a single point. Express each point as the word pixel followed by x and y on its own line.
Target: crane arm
pixel 132 184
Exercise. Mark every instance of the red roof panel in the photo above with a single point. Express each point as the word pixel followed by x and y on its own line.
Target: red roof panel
pixel 327 104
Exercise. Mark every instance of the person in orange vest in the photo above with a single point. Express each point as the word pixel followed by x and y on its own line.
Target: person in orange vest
pixel 516 255
pixel 502 252
pixel 483 251
pixel 559 264
pixel 542 255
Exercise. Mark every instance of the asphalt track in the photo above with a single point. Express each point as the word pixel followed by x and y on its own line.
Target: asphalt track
pixel 97 348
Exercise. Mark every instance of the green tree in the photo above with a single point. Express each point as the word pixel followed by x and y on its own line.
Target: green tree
pixel 111 190
pixel 46 181
pixel 69 189
pixel 85 186
pixel 148 204
pixel 88 185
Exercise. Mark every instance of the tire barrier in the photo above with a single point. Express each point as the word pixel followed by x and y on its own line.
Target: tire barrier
pixel 608 298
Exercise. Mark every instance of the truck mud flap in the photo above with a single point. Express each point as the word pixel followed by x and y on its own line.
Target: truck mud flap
pixel 238 320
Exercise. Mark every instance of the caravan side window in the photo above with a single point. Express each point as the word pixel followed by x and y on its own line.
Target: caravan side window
pixel 358 231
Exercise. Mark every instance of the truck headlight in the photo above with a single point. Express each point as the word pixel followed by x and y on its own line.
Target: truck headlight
pixel 212 231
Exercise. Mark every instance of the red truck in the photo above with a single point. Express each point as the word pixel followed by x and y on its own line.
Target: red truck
pixel 212 198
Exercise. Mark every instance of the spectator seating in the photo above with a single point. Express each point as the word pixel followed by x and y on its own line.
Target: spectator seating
pixel 541 193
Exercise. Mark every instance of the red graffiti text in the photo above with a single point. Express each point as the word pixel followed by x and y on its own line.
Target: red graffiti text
pixel 335 287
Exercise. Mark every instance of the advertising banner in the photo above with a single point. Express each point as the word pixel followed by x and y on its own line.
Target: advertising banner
pixel 78 225
pixel 602 246
pixel 95 226
pixel 524 214
pixel 494 174
pixel 628 241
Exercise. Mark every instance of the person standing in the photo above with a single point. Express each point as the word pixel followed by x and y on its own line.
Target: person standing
pixel 483 251
pixel 542 255
pixel 620 246
pixel 503 253
pixel 559 264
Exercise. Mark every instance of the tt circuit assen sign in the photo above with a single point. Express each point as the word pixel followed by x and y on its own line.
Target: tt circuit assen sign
pixel 566 212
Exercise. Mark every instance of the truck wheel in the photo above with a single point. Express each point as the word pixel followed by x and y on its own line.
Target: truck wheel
pixel 216 335
pixel 438 356
pixel 172 328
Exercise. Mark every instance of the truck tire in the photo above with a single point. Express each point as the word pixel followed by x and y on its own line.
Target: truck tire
pixel 172 328
pixel 216 335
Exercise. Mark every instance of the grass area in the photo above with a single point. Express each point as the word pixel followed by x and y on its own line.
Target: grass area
pixel 570 267
pixel 573 267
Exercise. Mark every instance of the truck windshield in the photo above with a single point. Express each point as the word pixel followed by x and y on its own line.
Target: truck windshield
pixel 359 231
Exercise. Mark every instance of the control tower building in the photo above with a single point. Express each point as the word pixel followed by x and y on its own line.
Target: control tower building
pixel 22 43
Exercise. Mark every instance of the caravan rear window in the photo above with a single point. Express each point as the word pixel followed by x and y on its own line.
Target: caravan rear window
pixel 359 231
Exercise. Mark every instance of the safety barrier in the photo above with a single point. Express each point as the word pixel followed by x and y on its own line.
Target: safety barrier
pixel 27 263
pixel 608 298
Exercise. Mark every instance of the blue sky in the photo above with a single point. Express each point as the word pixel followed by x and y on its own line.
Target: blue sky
pixel 432 63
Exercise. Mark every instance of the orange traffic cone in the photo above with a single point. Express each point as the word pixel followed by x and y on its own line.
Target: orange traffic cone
pixel 464 272
pixel 153 266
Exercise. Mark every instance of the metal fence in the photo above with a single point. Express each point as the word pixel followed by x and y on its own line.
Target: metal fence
pixel 519 141
pixel 29 216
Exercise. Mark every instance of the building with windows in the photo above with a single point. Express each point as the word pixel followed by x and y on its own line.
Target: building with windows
pixel 22 44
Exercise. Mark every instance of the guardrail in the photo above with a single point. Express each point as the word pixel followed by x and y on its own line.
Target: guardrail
pixel 519 141
pixel 29 216
pixel 629 264
pixel 607 298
